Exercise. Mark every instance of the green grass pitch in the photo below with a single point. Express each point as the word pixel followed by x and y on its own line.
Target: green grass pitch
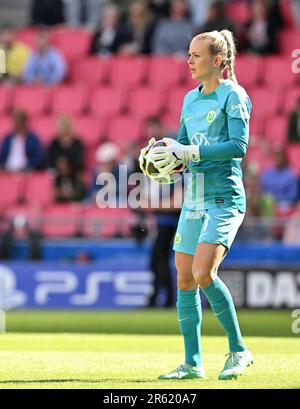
pixel 130 349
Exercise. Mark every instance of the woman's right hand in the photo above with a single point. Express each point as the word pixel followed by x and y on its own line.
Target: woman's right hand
pixel 144 151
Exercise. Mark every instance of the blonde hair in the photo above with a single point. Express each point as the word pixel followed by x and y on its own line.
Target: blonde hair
pixel 222 42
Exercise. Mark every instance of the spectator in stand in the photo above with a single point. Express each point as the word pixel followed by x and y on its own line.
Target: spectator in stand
pixel 261 31
pixel 47 12
pixel 160 8
pixel 296 10
pixel 172 36
pixel 137 32
pixel 46 65
pixel 106 39
pixel 69 186
pixel 199 11
pixel 281 183
pixel 16 53
pixel 66 145
pixel 291 235
pixel 294 124
pixel 84 12
pixel 21 149
pixel 217 19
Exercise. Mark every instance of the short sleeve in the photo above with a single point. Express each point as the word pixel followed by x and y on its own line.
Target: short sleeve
pixel 238 105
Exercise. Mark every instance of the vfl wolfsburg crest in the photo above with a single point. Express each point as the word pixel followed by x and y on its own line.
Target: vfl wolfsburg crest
pixel 211 116
pixel 177 238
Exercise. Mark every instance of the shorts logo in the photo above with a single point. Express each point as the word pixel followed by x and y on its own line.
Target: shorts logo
pixel 211 116
pixel 177 238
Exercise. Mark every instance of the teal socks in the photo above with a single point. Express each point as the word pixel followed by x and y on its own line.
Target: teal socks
pixel 190 317
pixel 222 305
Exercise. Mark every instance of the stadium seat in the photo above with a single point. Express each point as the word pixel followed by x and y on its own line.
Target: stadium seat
pixel 124 129
pixel 39 188
pixel 248 70
pixel 62 220
pixel 27 36
pixel 128 72
pixel 291 98
pixel 265 102
pixel 30 214
pixel 276 130
pixel 91 71
pixel 107 101
pixel 106 222
pixel 166 71
pixel 32 99
pixel 90 130
pixel 6 95
pixel 69 100
pixel 146 102
pixel 73 42
pixel 238 11
pixel 11 188
pixel 293 156
pixel 289 41
pixel 175 100
pixel 170 121
pixel 278 72
pixel 5 126
pixel 44 127
pixel 256 127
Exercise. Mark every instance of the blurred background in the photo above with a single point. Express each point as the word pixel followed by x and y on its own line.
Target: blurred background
pixel 85 84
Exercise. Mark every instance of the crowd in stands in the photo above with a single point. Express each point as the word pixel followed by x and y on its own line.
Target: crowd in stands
pixel 152 28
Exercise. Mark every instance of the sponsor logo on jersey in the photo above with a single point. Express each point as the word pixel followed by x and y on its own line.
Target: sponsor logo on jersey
pixel 210 116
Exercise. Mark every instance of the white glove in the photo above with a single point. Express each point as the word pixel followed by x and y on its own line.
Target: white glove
pixel 174 154
pixel 144 151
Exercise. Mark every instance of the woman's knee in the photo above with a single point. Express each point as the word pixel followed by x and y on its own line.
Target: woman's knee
pixel 203 277
pixel 185 279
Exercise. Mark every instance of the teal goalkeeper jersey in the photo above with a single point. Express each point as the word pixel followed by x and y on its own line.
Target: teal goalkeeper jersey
pixel 219 123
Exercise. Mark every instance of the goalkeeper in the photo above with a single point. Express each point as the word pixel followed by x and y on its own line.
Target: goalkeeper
pixel 212 139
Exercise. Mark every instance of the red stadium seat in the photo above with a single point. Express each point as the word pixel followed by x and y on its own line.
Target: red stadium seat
pixel 6 94
pixel 90 130
pixel 11 188
pixel 69 100
pixel 166 71
pixel 170 121
pixel 32 99
pixel 5 126
pixel 175 100
pixel 92 71
pixel 127 71
pixel 278 72
pixel 62 220
pixel 44 127
pixel 27 36
pixel 239 11
pixel 106 222
pixel 265 101
pixel 293 156
pixel 73 42
pixel 146 102
pixel 248 70
pixel 107 101
pixel 291 98
pixel 39 188
pixel 276 130
pixel 124 130
pixel 289 41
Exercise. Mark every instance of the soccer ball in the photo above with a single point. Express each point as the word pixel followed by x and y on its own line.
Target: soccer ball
pixel 154 174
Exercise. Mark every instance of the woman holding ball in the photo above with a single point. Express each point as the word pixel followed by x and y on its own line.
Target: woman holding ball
pixel 212 140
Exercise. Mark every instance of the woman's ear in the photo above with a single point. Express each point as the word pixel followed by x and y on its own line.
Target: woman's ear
pixel 217 60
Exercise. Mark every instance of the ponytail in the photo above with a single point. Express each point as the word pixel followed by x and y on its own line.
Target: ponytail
pixel 231 53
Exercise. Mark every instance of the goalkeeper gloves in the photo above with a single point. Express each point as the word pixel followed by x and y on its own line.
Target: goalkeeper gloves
pixel 173 154
pixel 142 157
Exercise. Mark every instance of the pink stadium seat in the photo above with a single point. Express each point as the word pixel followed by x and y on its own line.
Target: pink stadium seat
pixel 256 127
pixel 61 220
pixel 6 94
pixel 39 188
pixel 175 100
pixel 34 100
pixel 11 188
pixel 294 155
pixel 167 71
pixel 31 214
pixel 90 130
pixel 170 121
pixel 248 70
pixel 128 71
pixel 73 42
pixel 291 98
pixel 239 11
pixel 289 41
pixel 146 102
pixel 106 222
pixel 27 36
pixel 91 70
pixel 278 72
pixel 276 130
pixel 124 130
pixel 107 101
pixel 265 101
pixel 44 127
pixel 69 100
pixel 5 126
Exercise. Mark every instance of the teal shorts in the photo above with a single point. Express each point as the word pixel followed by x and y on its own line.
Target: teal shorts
pixel 216 226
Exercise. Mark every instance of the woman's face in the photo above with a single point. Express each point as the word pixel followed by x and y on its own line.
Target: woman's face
pixel 202 64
